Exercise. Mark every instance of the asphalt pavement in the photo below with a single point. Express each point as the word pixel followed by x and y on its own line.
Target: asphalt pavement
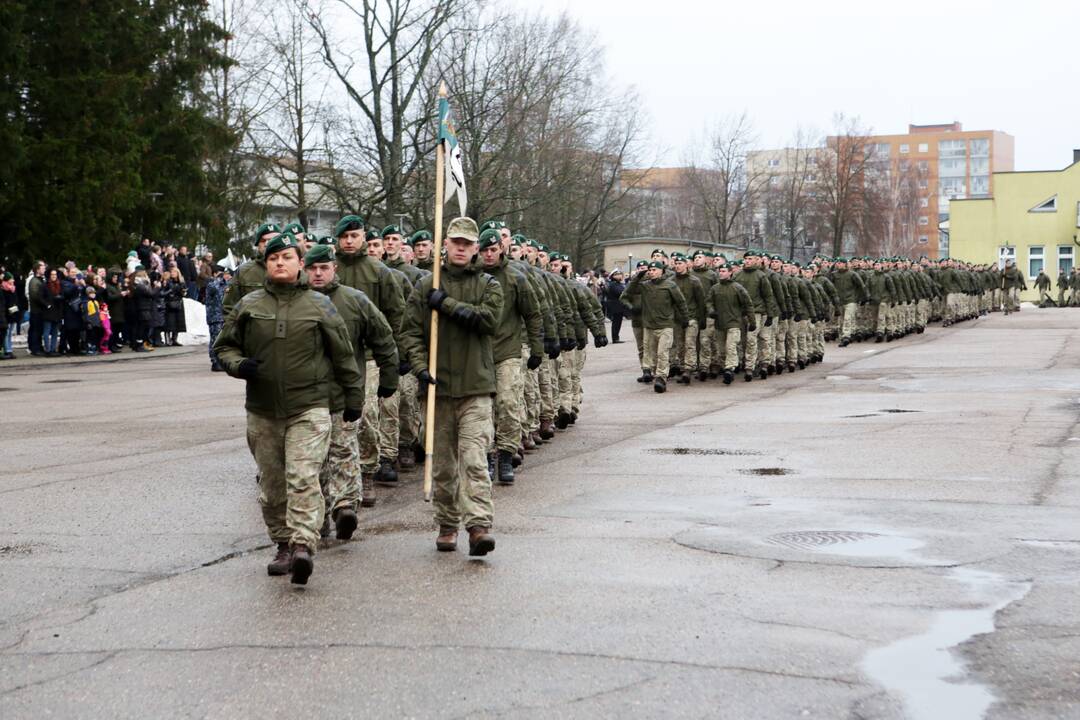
pixel 893 533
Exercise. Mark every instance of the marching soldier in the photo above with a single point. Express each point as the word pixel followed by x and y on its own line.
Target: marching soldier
pixel 1010 280
pixel 766 310
pixel 685 342
pixel 1062 286
pixel 662 307
pixel 368 330
pixel 250 276
pixel 731 308
pixel 286 342
pixel 469 303
pixel 852 293
pixel 702 269
pixel 1042 284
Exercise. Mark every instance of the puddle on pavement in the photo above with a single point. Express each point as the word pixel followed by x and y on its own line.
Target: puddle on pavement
pixel 701 451
pixel 923 669
pixel 767 471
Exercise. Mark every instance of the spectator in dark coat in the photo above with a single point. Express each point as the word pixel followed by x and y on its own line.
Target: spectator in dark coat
pixel 186 264
pixel 173 291
pixel 74 310
pixel 146 295
pixel 51 297
pixel 9 313
pixel 616 309
pixel 116 297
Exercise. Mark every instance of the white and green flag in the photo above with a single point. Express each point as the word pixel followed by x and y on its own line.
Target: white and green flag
pixel 455 174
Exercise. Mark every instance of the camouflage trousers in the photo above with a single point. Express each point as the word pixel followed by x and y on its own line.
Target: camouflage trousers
pixel 548 384
pixel 922 312
pixel 766 342
pixel 754 342
pixel 657 350
pixel 707 345
pixel 508 410
pixel 879 318
pixel 565 379
pixel 639 340
pixel 817 338
pixel 408 411
pixel 575 378
pixel 289 454
pixel 340 473
pixel 729 340
pixel 369 426
pixel 798 343
pixel 684 347
pixel 389 425
pixel 531 381
pixel 463 433
pixel 952 306
pixel 781 337
pixel 847 322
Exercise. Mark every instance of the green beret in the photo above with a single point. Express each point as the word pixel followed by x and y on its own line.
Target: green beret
pixel 492 225
pixel 349 222
pixel 641 264
pixel 488 238
pixel 319 254
pixel 326 240
pixel 656 264
pixel 519 239
pixel 295 229
pixel 373 233
pixel 542 247
pixel 282 242
pixel 266 229
pixel 391 230
pixel 419 236
pixel 720 255
pixel 658 250
pixel 697 253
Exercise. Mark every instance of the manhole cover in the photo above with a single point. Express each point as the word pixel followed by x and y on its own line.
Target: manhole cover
pixel 60 380
pixel 766 471
pixel 817 539
pixel 701 451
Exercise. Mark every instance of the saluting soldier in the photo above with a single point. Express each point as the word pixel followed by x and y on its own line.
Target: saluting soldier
pixel 469 303
pixel 287 342
pixel 662 308
pixel 368 331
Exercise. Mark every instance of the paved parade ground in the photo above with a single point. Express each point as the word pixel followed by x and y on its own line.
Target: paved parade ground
pixel 892 533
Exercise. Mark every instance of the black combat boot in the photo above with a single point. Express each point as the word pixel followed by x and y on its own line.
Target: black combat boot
pixel 491 466
pixel 344 523
pixel 728 377
pixel 562 420
pixel 762 373
pixel 386 474
pixel 778 369
pixel 748 376
pixel 800 363
pixel 282 559
pixel 573 416
pixel 480 541
pixel 506 468
pixel 702 376
pixel 880 337
pixel 302 565
pixel 845 342
pixel 684 379
pixel 660 385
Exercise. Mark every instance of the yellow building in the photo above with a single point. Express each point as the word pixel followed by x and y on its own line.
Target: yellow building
pixel 1032 218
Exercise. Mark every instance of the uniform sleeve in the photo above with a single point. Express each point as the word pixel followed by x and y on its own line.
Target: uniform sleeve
pixel 391 302
pixel 528 307
pixel 682 314
pixel 772 308
pixel 379 338
pixel 486 312
pixel 229 346
pixel 232 295
pixel 411 339
pixel 339 349
pixel 746 305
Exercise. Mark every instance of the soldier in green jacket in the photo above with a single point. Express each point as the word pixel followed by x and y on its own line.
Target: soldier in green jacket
pixel 662 308
pixel 368 330
pixel 632 301
pixel 882 297
pixel 250 276
pixel 356 269
pixel 731 308
pixel 685 342
pixel 702 261
pixel 766 312
pixel 1062 286
pixel 421 243
pixel 469 303
pixel 773 267
pixel 1010 281
pixel 288 342
pixel 1042 284
pixel 592 314
pixel 520 312
pixel 851 292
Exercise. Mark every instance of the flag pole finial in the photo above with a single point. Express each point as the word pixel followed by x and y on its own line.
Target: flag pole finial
pixel 443 91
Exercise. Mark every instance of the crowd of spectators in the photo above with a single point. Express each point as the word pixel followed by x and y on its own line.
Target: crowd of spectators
pixel 136 305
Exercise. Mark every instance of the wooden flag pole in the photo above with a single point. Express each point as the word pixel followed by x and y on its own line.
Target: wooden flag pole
pixel 433 343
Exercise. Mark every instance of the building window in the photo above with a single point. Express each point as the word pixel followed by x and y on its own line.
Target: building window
pixel 1035 260
pixel 1046 206
pixel 980 148
pixel 879 151
pixel 923 166
pixel 923 147
pixel 923 220
pixel 980 185
pixel 951 149
pixel 774 162
pixel 923 239
pixel 924 202
pixel 1065 259
pixel 811 178
pixel 923 183
pixel 904 148
pixel 952 167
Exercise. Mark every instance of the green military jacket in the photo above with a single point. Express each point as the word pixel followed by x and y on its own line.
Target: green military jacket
pixel 413 273
pixel 543 303
pixel 697 304
pixel 831 295
pixel 369 332
pixel 731 305
pixel 301 343
pixel 1010 278
pixel 881 287
pixel 1062 281
pixel 781 292
pixel 465 365
pixel 759 288
pixel 589 308
pixel 374 279
pixel 662 304
pixel 248 278
pixel 425 265
pixel 520 311
pixel 708 278
pixel 801 300
pixel 849 287
pixel 574 321
pixel 1043 281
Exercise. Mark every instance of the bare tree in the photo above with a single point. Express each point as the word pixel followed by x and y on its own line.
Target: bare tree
pixel 840 167
pixel 722 186
pixel 895 189
pixel 788 191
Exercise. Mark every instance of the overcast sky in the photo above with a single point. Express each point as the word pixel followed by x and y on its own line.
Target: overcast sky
pixel 997 65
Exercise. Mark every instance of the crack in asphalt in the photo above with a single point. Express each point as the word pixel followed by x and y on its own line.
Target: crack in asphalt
pixel 516 707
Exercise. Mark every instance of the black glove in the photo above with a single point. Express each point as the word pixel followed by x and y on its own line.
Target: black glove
pixel 534 361
pixel 798 317
pixel 567 344
pixel 768 321
pixel 685 324
pixel 602 342
pixel 385 392
pixel 435 298
pixel 425 377
pixel 350 415
pixel 752 327
pixel 551 347
pixel 403 367
pixel 582 343
pixel 248 369
pixel 465 316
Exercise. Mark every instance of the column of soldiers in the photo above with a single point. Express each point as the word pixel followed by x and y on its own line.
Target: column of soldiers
pixel 704 316
pixel 332 336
